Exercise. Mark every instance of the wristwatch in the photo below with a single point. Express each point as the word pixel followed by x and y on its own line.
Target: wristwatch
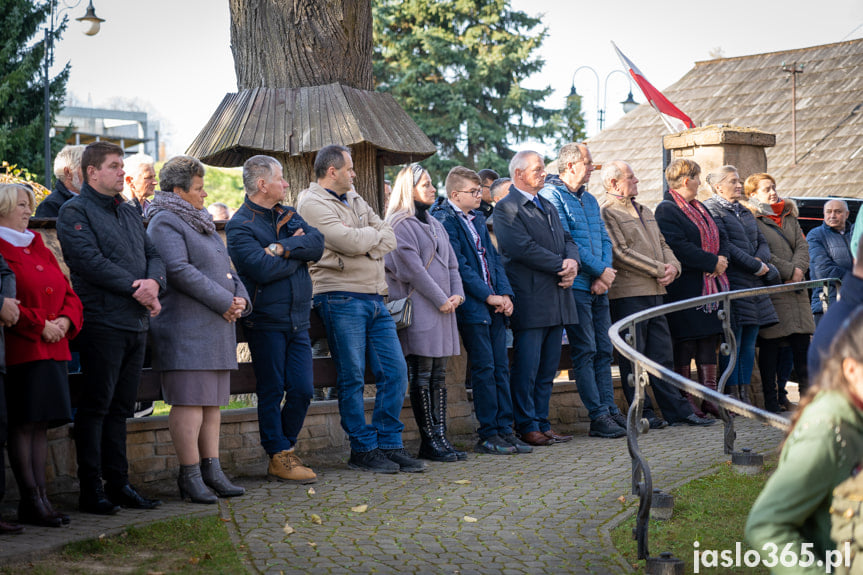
pixel 273 247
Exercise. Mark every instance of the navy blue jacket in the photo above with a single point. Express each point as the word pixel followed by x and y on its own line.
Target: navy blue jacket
pixel 829 257
pixel 106 248
pixel 533 245
pixel 476 291
pixel 745 244
pixel 280 288
pixel 828 327
pixel 50 206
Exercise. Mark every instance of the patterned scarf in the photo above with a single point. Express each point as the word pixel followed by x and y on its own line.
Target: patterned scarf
pixel 697 214
pixel 200 220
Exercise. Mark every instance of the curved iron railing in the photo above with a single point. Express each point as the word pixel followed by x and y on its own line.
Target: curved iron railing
pixel 642 482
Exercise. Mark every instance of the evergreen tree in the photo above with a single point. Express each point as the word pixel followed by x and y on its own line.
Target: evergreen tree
pixel 22 85
pixel 457 67
pixel 569 122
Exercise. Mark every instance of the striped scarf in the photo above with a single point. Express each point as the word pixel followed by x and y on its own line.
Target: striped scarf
pixel 697 214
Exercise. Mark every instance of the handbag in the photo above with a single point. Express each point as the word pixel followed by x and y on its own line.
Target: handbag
pixel 402 309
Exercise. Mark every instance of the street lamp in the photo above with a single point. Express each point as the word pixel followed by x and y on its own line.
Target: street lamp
pixel 628 105
pixel 51 31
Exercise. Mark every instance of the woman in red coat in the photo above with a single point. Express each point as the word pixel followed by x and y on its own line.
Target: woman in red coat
pixel 37 349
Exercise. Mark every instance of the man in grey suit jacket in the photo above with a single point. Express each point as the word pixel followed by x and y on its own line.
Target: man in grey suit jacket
pixel 541 262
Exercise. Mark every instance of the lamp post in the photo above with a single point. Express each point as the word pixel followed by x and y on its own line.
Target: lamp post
pixel 51 31
pixel 628 105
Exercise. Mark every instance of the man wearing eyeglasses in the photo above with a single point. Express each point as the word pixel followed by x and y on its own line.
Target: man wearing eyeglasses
pixel 590 346
pixel 482 316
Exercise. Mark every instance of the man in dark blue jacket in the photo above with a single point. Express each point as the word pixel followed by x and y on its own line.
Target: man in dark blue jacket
pixel 590 347
pixel 482 316
pixel 829 251
pixel 118 275
pixel 67 171
pixel 541 262
pixel 270 246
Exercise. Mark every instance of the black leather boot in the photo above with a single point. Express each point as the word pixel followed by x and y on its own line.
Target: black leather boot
pixel 419 381
pixel 215 478
pixel 32 511
pixel 92 499
pixel 192 486
pixel 43 494
pixel 439 397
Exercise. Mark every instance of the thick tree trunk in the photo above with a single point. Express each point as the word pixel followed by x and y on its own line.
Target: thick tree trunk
pixel 294 43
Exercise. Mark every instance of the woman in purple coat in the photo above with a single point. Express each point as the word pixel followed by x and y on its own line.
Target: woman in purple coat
pixel 424 268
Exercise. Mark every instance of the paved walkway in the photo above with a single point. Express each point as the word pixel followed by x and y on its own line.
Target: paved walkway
pixel 547 512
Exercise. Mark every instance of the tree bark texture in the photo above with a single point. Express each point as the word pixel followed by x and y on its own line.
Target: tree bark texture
pixel 295 43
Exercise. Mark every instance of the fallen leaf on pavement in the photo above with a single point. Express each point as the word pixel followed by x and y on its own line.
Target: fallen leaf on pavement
pixel 469 519
pixel 316 519
pixel 462 482
pixel 622 499
pixel 194 560
pixel 288 529
pixel 312 544
pixel 360 508
pixel 311 491
pixel 225 519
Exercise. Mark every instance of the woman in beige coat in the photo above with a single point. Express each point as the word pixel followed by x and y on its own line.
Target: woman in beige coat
pixel 789 252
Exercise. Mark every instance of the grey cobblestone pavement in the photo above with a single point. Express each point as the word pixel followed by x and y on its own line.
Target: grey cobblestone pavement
pixel 542 513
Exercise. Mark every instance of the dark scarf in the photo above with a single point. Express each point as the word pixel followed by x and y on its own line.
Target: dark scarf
pixel 200 220
pixel 421 211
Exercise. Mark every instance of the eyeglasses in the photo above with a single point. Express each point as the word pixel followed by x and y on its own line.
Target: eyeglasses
pixel 474 193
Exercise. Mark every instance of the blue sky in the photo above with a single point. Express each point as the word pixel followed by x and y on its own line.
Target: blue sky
pixel 174 57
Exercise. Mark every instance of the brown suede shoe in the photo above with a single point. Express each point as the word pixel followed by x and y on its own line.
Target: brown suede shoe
pixel 557 437
pixel 537 438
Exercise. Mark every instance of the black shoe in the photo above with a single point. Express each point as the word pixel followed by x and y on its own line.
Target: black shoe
pixel 657 422
pixel 605 426
pixel 94 501
pixel 374 461
pixel 406 463
pixel 495 445
pixel 619 419
pixel 520 446
pixel 126 496
pixel 695 420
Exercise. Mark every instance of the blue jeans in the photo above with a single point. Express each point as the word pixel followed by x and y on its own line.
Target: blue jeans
pixel 362 331
pixel 489 375
pixel 536 355
pixel 591 352
pixel 282 361
pixel 745 336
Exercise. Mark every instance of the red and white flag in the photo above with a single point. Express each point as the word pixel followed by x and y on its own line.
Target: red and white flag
pixel 675 120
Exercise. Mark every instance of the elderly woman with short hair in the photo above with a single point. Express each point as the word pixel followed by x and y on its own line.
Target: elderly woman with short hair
pixel 701 248
pixel 748 267
pixel 37 351
pixel 194 339
pixel 789 252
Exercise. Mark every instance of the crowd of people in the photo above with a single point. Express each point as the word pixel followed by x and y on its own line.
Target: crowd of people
pixel 559 261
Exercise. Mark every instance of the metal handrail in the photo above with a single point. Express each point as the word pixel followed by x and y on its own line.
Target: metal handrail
pixel 642 482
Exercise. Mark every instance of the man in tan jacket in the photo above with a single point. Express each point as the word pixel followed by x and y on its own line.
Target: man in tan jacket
pixel 348 285
pixel 645 265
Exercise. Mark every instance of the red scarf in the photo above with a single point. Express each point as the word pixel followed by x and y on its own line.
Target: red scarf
pixel 777 211
pixel 697 214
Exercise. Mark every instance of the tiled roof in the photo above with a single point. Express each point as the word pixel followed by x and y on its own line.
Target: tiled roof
pixel 754 92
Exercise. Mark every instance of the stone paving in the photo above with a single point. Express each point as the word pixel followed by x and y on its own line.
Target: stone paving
pixel 546 512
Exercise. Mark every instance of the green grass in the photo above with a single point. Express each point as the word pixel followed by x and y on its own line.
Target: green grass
pixel 711 510
pixel 162 408
pixel 187 545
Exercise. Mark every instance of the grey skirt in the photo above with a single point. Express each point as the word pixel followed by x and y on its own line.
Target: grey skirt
pixel 188 387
